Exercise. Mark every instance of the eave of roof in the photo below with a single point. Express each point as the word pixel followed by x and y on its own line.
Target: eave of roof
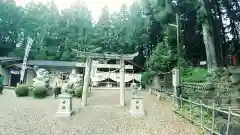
pixel 51 63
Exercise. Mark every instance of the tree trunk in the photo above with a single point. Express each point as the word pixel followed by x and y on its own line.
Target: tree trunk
pixel 208 36
pixel 209 46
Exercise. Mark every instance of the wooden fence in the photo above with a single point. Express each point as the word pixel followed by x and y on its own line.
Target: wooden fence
pixel 202 107
pixel 187 109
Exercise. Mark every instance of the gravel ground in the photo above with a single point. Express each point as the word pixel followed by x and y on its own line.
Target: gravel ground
pixel 102 116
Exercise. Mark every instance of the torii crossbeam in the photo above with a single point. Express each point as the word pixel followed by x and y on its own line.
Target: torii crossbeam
pixel 88 68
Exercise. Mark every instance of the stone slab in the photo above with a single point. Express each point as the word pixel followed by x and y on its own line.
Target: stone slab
pixel 64 114
pixel 137 114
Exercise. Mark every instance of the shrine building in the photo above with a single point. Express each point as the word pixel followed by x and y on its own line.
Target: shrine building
pixel 104 73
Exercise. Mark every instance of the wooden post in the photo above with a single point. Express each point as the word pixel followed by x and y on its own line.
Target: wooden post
pixel 201 114
pixel 181 106
pixel 88 67
pixel 229 119
pixel 190 109
pixel 213 117
pixel 173 96
pixel 122 83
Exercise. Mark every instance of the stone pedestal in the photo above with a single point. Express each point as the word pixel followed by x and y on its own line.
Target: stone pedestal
pixel 65 107
pixel 137 106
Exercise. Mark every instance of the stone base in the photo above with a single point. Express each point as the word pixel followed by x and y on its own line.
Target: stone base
pixel 64 114
pixel 121 105
pixel 139 113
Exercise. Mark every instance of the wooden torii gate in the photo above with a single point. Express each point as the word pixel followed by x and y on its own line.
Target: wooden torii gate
pixel 88 67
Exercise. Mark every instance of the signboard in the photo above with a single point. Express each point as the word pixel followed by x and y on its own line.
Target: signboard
pixel 175 77
pixel 14 72
pixel 203 62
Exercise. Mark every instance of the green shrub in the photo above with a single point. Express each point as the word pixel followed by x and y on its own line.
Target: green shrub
pixel 195 75
pixel 1 89
pixel 57 90
pixel 146 78
pixel 40 92
pixel 22 90
pixel 78 92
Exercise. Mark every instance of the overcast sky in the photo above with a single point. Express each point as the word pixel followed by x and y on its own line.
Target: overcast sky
pixel 94 6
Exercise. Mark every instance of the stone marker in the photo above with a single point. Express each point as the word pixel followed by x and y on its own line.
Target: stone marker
pixel 136 102
pixel 137 106
pixel 134 89
pixel 65 107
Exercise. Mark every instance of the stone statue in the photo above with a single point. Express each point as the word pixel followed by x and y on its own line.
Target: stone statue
pixel 65 87
pixel 75 80
pixel 134 89
pixel 56 84
pixel 42 78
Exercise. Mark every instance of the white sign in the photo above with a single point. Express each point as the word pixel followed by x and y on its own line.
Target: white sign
pixel 14 72
pixel 203 62
pixel 175 77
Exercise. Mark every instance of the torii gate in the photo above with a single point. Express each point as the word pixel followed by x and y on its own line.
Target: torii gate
pixel 88 67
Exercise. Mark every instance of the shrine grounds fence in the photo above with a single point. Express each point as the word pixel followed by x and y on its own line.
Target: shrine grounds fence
pixel 198 113
pixel 201 114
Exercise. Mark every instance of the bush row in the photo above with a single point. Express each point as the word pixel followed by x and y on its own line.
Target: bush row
pixel 24 90
pixel 40 92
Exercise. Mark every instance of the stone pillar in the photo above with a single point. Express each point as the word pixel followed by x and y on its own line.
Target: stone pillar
pixel 136 102
pixel 122 83
pixel 176 83
pixel 149 90
pixel 65 107
pixel 86 80
pixel 175 80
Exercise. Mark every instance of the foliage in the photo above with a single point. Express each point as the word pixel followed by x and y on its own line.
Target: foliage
pixel 78 92
pixel 146 78
pixel 163 59
pixel 1 89
pixel 22 90
pixel 1 83
pixel 195 75
pixel 147 27
pixel 57 90
pixel 56 34
pixel 40 92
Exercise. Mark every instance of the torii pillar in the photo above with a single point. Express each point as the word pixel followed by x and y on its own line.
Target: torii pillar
pixel 122 83
pixel 86 80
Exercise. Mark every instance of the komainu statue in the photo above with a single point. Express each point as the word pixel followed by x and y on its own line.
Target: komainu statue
pixel 75 80
pixel 42 78
pixel 56 84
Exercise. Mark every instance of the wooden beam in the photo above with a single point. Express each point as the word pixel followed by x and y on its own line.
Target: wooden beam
pixel 105 55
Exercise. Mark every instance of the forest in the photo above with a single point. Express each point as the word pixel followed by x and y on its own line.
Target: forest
pixel 166 33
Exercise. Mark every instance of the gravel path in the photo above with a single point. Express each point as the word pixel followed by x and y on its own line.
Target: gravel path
pixel 102 116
